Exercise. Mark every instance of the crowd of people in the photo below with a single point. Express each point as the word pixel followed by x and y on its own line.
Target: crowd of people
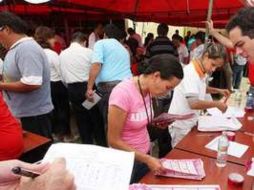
pixel 136 82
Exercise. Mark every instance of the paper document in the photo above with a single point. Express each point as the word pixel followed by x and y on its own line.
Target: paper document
pixel 231 112
pixel 95 167
pixel 234 149
pixel 173 187
pixel 218 123
pixel 88 105
pixel 183 168
pixel 166 118
pixel 250 167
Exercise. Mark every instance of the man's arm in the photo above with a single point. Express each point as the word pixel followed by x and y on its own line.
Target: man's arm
pixel 94 71
pixel 18 87
pixel 202 104
pixel 222 39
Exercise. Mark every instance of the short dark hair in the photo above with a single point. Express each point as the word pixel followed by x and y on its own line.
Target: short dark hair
pixel 131 31
pixel 168 66
pixel 14 22
pixel 215 51
pixel 244 19
pixel 162 29
pixel 42 34
pixel 78 37
pixel 201 36
pixel 112 31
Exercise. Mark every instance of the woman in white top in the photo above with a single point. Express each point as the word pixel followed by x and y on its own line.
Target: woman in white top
pixel 190 95
pixel 61 113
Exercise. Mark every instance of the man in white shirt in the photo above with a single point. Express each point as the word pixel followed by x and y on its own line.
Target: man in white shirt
pixel 95 35
pixel 75 63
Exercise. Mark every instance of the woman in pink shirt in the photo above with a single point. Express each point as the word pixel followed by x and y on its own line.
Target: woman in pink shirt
pixel 130 110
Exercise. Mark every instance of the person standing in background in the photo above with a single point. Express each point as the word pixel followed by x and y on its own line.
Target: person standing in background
pixel 26 76
pixel 45 36
pixel 96 35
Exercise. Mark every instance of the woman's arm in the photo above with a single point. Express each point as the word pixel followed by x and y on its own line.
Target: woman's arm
pixel 116 121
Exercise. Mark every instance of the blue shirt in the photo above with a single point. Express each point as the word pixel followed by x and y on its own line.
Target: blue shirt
pixel 114 58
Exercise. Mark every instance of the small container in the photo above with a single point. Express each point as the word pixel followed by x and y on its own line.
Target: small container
pixel 235 179
pixel 230 135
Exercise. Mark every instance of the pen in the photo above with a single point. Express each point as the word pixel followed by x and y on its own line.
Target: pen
pixel 248 133
pixel 23 172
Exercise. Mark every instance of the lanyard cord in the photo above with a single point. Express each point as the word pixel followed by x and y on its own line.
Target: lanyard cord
pixel 139 86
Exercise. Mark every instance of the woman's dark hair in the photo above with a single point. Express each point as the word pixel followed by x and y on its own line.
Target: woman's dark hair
pixel 42 35
pixel 14 22
pixel 168 66
pixel 148 38
pixel 215 51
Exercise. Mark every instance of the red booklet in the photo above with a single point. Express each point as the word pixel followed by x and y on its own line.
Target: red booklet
pixel 166 118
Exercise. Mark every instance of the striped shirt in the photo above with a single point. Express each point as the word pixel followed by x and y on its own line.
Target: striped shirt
pixel 161 45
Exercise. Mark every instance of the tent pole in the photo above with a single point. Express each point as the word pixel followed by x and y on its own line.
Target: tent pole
pixel 209 15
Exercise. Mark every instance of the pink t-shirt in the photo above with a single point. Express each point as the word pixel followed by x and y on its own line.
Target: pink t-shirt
pixel 127 97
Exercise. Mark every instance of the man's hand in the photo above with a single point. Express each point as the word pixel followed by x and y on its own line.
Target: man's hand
pixel 222 106
pixel 226 93
pixel 55 178
pixel 8 180
pixel 89 95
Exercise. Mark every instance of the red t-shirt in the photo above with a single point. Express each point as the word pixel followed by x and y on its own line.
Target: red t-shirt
pixel 11 143
pixel 251 73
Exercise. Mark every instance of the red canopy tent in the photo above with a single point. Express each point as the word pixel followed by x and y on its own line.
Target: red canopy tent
pixel 174 12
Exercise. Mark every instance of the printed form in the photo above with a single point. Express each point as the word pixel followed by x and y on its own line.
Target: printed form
pixel 95 167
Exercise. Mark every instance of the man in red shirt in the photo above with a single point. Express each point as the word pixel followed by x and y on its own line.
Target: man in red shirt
pixel 11 144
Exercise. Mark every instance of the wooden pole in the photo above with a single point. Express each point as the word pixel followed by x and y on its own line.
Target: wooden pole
pixel 209 15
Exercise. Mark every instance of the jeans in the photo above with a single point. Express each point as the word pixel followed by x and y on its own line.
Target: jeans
pixel 89 122
pixel 237 75
pixel 61 112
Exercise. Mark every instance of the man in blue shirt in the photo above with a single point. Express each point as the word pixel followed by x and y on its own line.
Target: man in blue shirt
pixel 110 65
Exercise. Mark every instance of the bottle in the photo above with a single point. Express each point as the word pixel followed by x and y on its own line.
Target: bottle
pixel 238 98
pixel 223 145
pixel 249 102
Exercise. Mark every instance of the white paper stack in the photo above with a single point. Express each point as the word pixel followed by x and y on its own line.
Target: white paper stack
pixel 234 149
pixel 183 168
pixel 218 123
pixel 173 187
pixel 95 167
pixel 231 112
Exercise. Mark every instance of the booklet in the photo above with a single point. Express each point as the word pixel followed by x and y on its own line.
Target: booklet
pixel 88 105
pixel 139 186
pixel 95 167
pixel 166 118
pixel 183 168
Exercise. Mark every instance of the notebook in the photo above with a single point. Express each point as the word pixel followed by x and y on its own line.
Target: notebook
pixel 183 168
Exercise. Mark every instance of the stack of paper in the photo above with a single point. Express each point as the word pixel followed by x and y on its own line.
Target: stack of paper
pixel 95 167
pixel 166 118
pixel 218 123
pixel 234 149
pixel 231 112
pixel 183 168
pixel 173 187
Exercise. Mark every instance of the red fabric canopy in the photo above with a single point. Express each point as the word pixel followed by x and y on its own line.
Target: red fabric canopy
pixel 174 12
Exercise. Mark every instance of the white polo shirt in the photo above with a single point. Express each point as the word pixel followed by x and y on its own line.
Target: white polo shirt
pixel 191 85
pixel 54 65
pixel 75 63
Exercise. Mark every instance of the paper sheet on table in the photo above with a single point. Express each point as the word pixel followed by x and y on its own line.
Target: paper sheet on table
pixel 218 123
pixel 95 167
pixel 234 149
pixel 173 187
pixel 231 112
pixel 88 105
